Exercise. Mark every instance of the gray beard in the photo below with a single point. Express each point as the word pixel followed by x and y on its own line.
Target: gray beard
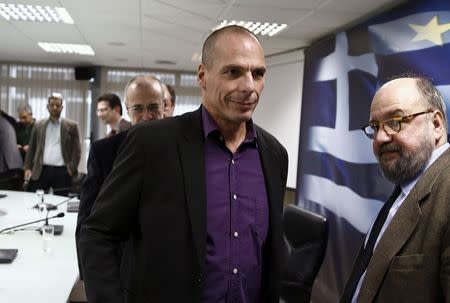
pixel 409 164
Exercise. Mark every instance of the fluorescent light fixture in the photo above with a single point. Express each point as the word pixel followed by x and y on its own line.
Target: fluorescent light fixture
pixel 257 28
pixel 79 49
pixel 21 12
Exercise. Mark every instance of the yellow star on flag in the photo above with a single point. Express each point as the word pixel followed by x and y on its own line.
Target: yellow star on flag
pixel 432 31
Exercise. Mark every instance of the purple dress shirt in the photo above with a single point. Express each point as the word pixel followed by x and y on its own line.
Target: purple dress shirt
pixel 237 218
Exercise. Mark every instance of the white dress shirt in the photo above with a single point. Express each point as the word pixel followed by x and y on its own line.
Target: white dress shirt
pixel 52 148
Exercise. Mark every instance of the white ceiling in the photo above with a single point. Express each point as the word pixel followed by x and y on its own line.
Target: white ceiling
pixel 137 33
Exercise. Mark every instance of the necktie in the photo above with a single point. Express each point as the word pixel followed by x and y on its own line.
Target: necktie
pixel 366 254
pixel 112 132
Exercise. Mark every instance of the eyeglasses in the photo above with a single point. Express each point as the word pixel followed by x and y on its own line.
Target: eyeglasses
pixel 140 108
pixel 391 126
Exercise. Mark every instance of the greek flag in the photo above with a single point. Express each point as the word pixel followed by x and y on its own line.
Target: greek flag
pixel 338 174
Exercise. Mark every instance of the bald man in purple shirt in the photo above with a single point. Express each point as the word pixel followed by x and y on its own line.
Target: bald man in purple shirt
pixel 199 196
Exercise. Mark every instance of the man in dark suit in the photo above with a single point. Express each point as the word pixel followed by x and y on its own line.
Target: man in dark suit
pixel 143 95
pixel 200 196
pixel 406 256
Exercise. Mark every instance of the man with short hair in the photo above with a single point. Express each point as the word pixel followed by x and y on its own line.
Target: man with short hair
pixel 109 110
pixel 24 128
pixel 406 254
pixel 199 196
pixel 144 99
pixel 169 100
pixel 54 150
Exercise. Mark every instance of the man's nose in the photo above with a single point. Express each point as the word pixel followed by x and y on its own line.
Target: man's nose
pixel 148 115
pixel 247 82
pixel 382 136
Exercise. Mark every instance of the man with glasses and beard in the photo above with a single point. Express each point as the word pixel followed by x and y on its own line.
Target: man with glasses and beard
pixel 406 254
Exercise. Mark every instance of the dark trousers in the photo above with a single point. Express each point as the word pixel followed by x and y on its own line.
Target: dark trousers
pixel 56 177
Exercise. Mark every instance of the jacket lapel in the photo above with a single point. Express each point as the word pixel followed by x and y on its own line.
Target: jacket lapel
pixel 63 134
pixel 41 142
pixel 270 161
pixel 271 172
pixel 193 168
pixel 393 239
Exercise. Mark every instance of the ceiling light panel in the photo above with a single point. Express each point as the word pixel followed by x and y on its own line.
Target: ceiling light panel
pixel 35 13
pixel 79 49
pixel 257 28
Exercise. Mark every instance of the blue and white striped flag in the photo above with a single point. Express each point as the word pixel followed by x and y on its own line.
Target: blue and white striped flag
pixel 338 174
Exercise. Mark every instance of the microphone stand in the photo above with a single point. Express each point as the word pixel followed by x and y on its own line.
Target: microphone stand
pixel 49 206
pixel 60 215
pixel 57 229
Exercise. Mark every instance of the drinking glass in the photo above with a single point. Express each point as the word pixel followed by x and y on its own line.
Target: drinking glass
pixel 39 196
pixel 48 232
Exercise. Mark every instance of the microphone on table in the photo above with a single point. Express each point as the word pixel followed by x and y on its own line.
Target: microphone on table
pixel 60 215
pixel 49 206
pixel 57 229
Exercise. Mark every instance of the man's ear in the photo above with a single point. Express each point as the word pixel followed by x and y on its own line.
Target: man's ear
pixel 438 124
pixel 201 75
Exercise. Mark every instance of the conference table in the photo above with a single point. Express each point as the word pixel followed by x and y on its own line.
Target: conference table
pixel 37 275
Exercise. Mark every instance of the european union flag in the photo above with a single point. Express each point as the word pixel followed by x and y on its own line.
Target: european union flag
pixel 338 174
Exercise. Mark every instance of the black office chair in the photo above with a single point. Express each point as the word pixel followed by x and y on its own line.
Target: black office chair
pixel 306 237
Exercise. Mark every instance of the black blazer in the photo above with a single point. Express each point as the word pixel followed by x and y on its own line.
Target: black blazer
pixel 100 162
pixel 156 195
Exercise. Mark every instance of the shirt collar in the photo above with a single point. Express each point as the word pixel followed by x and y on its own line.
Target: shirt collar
pixel 117 125
pixel 56 122
pixel 408 186
pixel 210 125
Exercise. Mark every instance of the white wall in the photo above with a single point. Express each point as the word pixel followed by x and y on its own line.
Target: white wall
pixel 279 108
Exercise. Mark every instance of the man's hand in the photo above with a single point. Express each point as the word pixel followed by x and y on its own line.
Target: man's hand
pixel 27 175
pixel 25 148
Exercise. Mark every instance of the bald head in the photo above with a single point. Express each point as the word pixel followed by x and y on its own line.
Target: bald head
pixel 411 88
pixel 144 97
pixel 209 45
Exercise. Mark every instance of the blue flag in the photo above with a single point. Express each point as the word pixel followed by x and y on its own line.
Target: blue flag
pixel 338 174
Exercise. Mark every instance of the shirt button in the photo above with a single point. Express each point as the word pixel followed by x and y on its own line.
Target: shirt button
pixel 235 271
pixel 234 197
pixel 236 234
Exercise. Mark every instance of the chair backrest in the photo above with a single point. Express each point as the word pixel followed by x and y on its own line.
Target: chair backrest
pixel 306 237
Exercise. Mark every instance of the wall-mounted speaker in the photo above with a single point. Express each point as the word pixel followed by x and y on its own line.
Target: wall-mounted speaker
pixel 85 72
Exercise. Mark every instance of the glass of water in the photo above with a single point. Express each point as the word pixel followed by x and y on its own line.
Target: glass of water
pixel 39 196
pixel 48 232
